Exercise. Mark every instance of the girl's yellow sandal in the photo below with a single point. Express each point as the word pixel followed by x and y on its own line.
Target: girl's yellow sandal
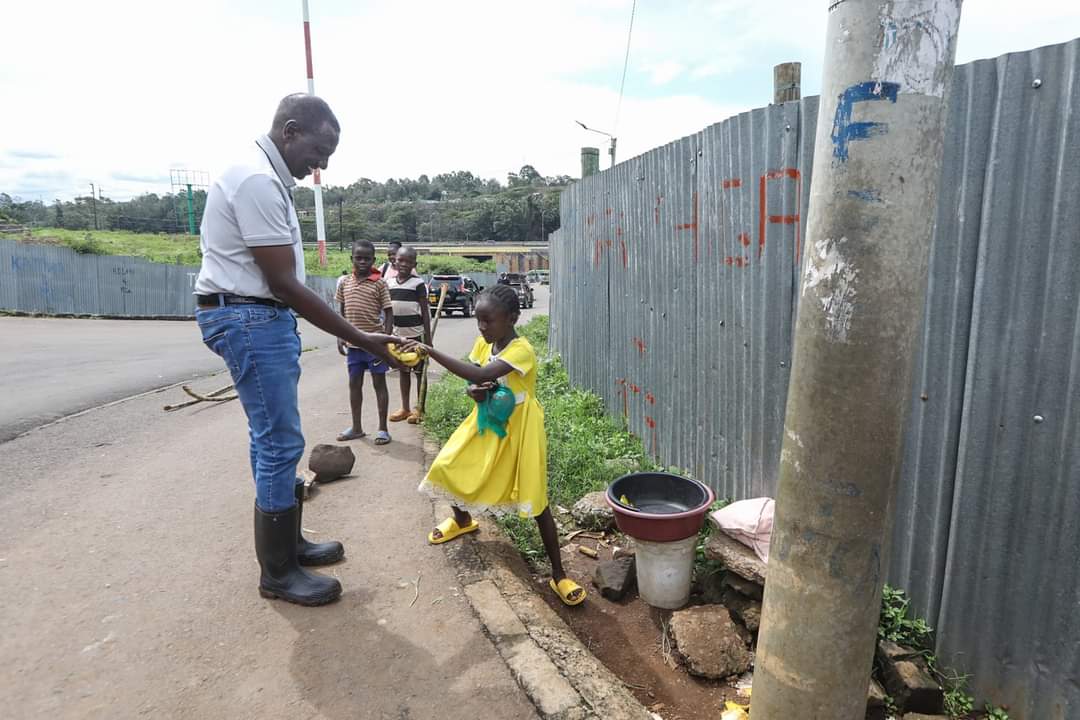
pixel 449 529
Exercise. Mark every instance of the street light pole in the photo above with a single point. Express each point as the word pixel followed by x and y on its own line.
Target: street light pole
pixel 612 138
pixel 541 202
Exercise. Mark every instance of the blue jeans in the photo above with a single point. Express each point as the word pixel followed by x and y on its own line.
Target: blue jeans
pixel 261 348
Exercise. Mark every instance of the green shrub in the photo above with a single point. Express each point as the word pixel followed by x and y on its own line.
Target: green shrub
pixel 898 624
pixel 87 245
pixel 451 265
pixel 536 332
pixel 447 405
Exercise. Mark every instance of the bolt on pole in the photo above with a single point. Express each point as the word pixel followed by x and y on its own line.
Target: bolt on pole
pixel 888 68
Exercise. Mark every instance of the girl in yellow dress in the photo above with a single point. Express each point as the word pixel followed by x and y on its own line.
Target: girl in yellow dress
pixel 480 470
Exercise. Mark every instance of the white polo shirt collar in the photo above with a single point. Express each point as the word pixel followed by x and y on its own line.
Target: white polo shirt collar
pixel 276 161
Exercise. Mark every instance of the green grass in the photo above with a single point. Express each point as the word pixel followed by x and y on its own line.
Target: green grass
pixel 184 250
pixel 159 248
pixel 587 448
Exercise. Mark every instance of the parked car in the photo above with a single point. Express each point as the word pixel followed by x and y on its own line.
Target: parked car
pixel 544 276
pixel 461 292
pixel 520 283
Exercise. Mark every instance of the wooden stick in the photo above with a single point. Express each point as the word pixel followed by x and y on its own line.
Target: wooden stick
pixel 189 403
pixel 427 365
pixel 207 398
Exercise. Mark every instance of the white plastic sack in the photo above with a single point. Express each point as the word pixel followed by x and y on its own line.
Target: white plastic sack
pixel 748 521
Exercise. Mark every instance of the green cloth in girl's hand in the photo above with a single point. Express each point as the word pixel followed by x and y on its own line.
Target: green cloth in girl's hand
pixel 495 410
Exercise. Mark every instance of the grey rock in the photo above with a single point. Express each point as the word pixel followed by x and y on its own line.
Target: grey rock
pixel 890 652
pixel 626 547
pixel 615 578
pixel 875 702
pixel 709 642
pixel 743 586
pixel 912 687
pixel 593 513
pixel 330 462
pixel 735 556
pixel 710 588
pixel 744 609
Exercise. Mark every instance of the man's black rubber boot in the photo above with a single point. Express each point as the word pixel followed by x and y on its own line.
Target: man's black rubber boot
pixel 282 577
pixel 309 553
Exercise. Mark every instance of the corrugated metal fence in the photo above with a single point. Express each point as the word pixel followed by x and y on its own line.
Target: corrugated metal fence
pixel 55 280
pixel 674 285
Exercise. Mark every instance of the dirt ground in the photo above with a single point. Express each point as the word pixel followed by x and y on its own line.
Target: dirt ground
pixel 627 637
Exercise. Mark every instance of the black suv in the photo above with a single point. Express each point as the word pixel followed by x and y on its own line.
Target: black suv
pixel 461 293
pixel 521 285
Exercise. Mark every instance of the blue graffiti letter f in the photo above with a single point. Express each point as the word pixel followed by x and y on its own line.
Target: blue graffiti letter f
pixel 844 131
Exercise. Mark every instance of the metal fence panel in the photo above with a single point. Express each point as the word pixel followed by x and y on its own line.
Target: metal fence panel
pixel 1012 583
pixel 674 290
pixel 55 280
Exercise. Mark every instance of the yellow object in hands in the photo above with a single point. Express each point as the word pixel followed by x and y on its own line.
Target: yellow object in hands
pixel 409 357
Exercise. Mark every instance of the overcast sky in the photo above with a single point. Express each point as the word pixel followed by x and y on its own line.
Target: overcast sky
pixel 117 92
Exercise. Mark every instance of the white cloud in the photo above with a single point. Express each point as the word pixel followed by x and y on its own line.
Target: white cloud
pixel 119 91
pixel 664 72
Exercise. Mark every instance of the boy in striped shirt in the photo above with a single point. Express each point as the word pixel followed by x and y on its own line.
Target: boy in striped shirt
pixel 412 320
pixel 365 302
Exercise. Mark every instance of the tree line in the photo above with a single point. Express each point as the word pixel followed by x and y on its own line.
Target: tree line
pixel 449 207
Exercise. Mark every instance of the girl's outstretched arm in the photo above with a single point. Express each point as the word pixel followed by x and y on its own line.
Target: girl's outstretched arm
pixel 473 373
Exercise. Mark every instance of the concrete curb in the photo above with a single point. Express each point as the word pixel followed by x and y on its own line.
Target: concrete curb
pixel 561 677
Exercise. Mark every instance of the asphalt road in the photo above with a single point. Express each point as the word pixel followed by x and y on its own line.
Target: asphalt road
pixel 130 580
pixel 54 367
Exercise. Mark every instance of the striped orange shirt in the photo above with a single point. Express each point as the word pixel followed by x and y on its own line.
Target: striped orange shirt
pixel 364 301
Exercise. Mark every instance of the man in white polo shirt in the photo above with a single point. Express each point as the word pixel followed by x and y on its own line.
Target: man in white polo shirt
pixel 252 275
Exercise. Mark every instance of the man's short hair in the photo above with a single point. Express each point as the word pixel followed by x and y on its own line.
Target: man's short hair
pixel 408 250
pixel 309 111
pixel 393 242
pixel 366 244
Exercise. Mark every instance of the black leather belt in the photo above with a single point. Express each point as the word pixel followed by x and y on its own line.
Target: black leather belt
pixel 222 299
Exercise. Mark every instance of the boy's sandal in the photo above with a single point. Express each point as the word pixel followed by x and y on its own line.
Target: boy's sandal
pixel 565 588
pixel 449 529
pixel 415 417
pixel 382 437
pixel 399 415
pixel 350 434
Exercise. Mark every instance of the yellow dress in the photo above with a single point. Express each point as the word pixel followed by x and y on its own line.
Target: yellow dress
pixel 486 472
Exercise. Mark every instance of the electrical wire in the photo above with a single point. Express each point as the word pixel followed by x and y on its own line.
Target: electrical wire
pixel 626 64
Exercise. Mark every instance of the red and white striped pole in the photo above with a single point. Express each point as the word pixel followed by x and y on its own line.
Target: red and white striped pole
pixel 320 224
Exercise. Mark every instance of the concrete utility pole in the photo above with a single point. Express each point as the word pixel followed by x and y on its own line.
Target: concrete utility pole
pixel 93 203
pixel 787 82
pixel 888 68
pixel 590 161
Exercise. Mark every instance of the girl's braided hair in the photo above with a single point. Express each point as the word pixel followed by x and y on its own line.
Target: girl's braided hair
pixel 505 296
